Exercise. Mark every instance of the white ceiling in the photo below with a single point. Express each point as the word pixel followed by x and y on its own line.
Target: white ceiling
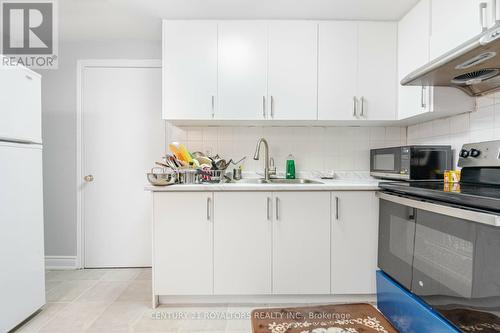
pixel 141 19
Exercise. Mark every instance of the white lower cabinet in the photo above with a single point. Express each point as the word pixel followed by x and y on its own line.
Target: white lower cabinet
pixel 242 243
pixel 263 243
pixel 301 243
pixel 354 242
pixel 182 243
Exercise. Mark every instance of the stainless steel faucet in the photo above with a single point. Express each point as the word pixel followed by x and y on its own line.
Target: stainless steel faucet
pixel 268 168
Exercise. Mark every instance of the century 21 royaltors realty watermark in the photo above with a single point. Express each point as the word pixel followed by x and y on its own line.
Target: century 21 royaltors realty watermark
pixel 29 33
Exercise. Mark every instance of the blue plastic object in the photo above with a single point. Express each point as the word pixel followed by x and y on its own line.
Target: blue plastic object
pixel 406 312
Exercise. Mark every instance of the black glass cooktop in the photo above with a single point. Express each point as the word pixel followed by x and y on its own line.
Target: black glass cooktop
pixel 478 196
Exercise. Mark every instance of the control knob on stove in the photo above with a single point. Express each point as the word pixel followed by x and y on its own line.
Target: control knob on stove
pixel 464 153
pixel 475 153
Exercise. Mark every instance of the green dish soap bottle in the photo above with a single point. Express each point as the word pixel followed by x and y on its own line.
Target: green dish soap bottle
pixel 290 167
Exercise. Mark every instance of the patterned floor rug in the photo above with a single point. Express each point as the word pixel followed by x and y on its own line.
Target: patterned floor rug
pixel 345 318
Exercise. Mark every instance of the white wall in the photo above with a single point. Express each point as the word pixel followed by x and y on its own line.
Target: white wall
pixel 59 134
pixel 483 125
pixel 314 148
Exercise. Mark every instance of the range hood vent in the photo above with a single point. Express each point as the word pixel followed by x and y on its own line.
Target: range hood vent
pixel 475 77
pixel 473 67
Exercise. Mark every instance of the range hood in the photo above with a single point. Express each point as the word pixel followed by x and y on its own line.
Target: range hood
pixel 473 67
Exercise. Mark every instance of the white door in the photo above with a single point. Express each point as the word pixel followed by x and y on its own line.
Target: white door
pixel 377 70
pixel 338 70
pixel 242 243
pixel 293 72
pixel 453 23
pixel 354 242
pixel 183 232
pixel 189 69
pixel 22 286
pixel 301 243
pixel 20 104
pixel 413 52
pixel 123 135
pixel 242 69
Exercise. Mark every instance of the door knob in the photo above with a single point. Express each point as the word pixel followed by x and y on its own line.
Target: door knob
pixel 88 178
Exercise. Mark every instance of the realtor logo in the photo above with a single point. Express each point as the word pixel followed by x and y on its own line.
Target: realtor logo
pixel 28 32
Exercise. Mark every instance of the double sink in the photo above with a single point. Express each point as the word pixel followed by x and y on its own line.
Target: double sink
pixel 277 181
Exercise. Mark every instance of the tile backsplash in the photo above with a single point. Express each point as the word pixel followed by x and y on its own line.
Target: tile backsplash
pixel 481 125
pixel 322 149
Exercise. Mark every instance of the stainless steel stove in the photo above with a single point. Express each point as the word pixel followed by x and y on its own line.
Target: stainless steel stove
pixel 441 241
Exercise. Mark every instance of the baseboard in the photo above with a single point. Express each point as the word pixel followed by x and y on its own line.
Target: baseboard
pixel 60 262
pixel 268 299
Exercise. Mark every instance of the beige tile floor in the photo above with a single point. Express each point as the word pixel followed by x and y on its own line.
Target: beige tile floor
pixel 119 301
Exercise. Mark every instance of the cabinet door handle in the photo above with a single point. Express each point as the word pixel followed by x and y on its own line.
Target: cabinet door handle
pixel 362 106
pixel 277 208
pixel 272 107
pixel 354 106
pixel 268 206
pixel 28 77
pixel 496 8
pixel 336 208
pixel 208 208
pixel 264 107
pixel 482 15
pixel 423 104
pixel 213 106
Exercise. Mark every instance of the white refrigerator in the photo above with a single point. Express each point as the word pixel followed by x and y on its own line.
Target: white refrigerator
pixel 22 273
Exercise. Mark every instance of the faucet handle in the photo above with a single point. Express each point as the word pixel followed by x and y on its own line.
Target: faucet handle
pixel 272 167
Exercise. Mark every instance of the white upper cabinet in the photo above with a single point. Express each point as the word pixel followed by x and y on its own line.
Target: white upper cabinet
pixel 189 69
pixel 279 70
pixel 377 70
pixel 242 70
pixel 414 37
pixel 456 21
pixel 337 70
pixel 357 71
pixel 293 55
pixel 413 52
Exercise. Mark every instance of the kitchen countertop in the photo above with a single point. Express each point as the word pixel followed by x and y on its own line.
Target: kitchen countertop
pixel 327 185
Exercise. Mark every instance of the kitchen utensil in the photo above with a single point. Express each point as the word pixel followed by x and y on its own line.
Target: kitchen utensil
pixel 161 178
pixel 165 165
pixel 188 176
pixel 237 174
pixel 239 161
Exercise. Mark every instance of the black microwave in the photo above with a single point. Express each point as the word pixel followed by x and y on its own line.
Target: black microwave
pixel 411 162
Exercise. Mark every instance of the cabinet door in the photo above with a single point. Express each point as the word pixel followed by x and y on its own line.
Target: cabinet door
pixel 242 243
pixel 242 70
pixel 413 52
pixel 377 65
pixel 453 23
pixel 337 70
pixel 301 243
pixel 293 49
pixel 182 248
pixel 354 242
pixel 189 69
pixel 20 104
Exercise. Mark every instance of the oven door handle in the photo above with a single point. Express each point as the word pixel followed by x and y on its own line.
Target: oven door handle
pixel 464 214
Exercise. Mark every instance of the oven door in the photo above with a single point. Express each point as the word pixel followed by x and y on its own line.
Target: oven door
pixel 455 259
pixel 396 240
pixel 456 269
pixel 386 163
